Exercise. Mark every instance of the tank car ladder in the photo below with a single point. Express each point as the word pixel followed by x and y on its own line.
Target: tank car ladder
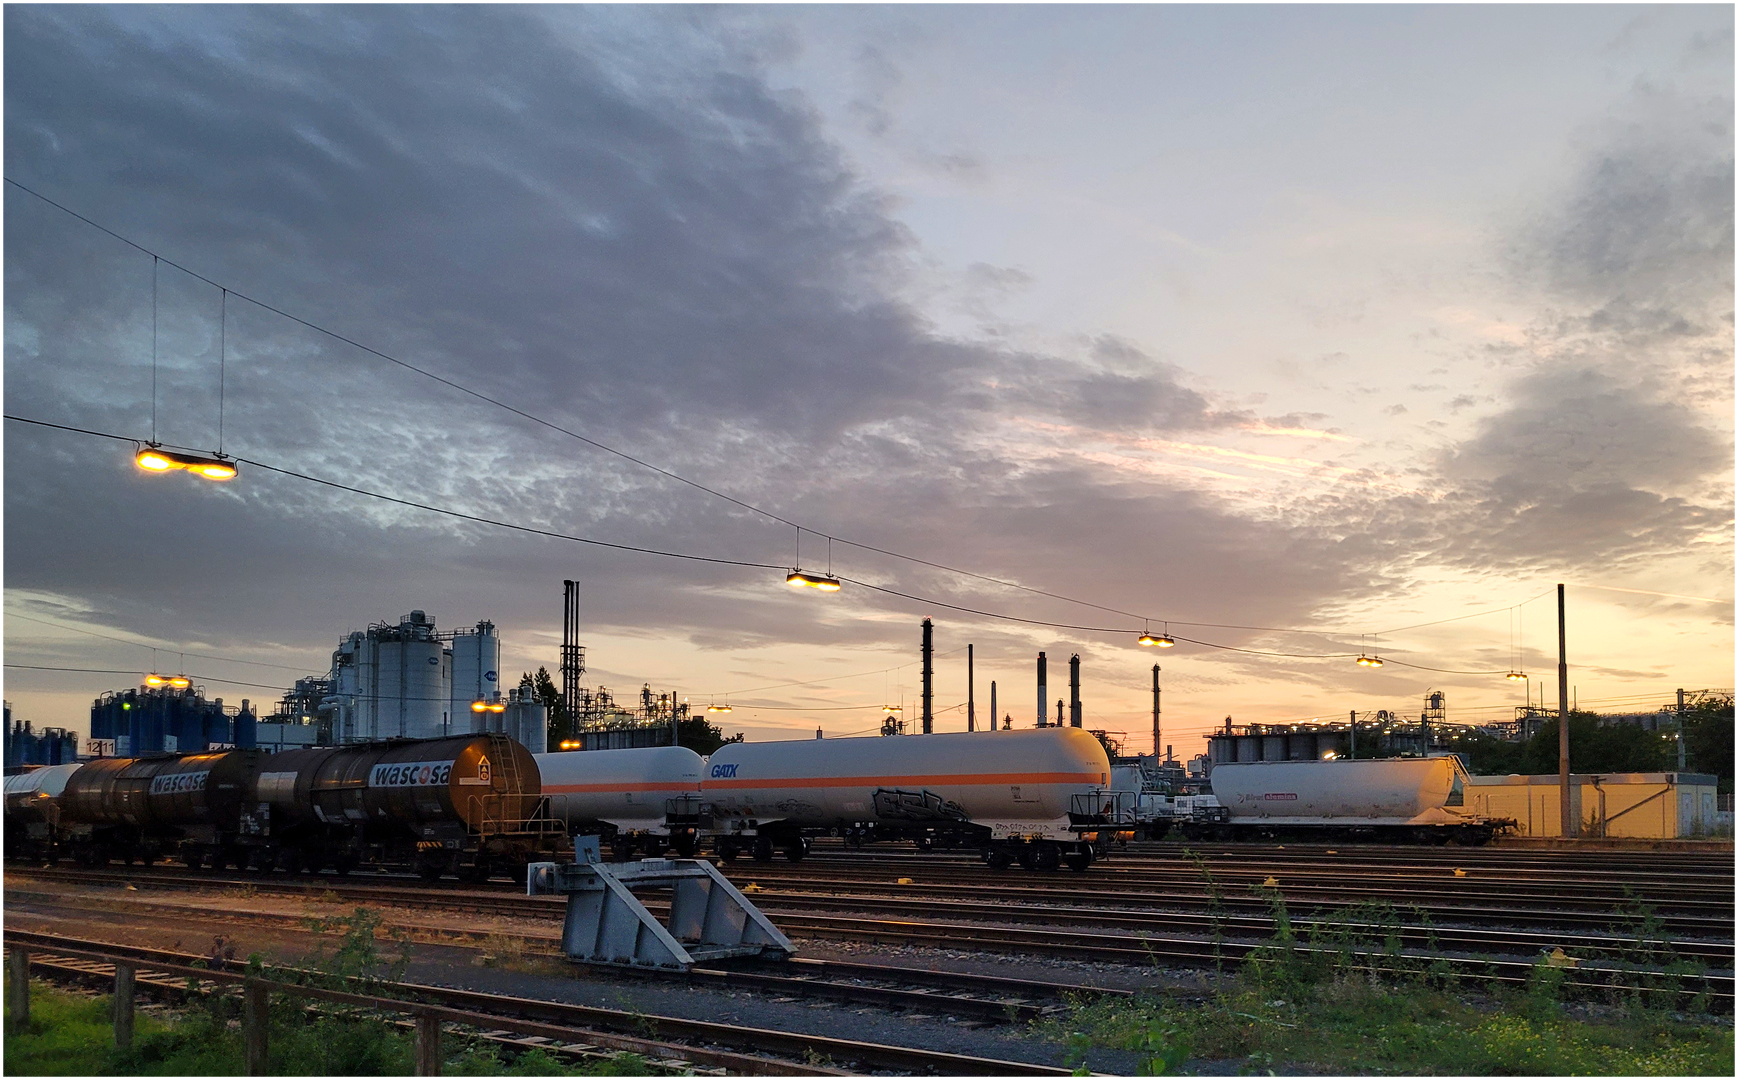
pixel 606 924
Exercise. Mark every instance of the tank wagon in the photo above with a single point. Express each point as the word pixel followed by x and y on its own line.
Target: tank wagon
pixel 33 812
pixel 646 799
pixel 1035 796
pixel 470 805
pixel 1419 800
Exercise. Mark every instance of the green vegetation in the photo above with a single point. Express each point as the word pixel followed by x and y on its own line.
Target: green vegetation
pixel 1597 747
pixel 72 1034
pixel 1344 999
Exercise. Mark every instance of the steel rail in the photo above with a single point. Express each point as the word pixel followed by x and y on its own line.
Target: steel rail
pixel 828 980
pixel 469 1006
pixel 1512 942
pixel 1098 946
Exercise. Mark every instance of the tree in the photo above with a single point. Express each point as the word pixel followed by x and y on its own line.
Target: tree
pixel 701 737
pixel 1708 739
pixel 1595 747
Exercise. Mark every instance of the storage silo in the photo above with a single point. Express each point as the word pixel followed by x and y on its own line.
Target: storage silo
pixel 526 719
pixel 395 682
pixel 476 672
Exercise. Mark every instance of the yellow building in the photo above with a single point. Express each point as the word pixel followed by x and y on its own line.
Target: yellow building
pixel 1655 806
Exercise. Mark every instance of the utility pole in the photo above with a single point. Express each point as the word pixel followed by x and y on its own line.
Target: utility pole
pixel 928 676
pixel 1354 734
pixel 1570 825
pixel 1158 742
pixel 1680 729
pixel 992 704
pixel 971 691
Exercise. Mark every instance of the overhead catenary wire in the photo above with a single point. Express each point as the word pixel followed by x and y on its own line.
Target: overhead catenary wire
pixel 587 440
pixel 533 530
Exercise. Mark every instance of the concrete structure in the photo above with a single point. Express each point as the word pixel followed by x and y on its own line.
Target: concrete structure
pixel 1642 805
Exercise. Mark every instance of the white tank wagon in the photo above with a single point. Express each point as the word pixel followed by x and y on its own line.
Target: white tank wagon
pixel 641 798
pixel 1035 796
pixel 1410 799
pixel 33 812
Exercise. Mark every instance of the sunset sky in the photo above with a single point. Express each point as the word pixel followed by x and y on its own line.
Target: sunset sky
pixel 1289 326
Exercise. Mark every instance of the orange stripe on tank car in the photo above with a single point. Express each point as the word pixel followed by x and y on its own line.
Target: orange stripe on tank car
pixel 574 789
pixel 958 779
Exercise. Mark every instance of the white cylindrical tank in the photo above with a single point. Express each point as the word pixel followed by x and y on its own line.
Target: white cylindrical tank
pixel 1383 791
pixel 526 719
pixel 476 670
pixel 411 690
pixel 26 789
pixel 624 788
pixel 1019 784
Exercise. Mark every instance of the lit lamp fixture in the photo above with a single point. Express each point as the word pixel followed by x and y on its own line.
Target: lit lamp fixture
pixel 180 682
pixel 1330 756
pixel 814 580
pixel 1514 676
pixel 718 708
pixel 479 706
pixel 154 679
pixel 1369 661
pixel 1163 641
pixel 157 459
pixel 569 744
pixel 891 709
pixel 497 706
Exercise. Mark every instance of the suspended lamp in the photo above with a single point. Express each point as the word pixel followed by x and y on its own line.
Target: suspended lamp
pixel 157 459
pixel 154 679
pixel 180 682
pixel 1369 661
pixel 1514 676
pixel 1163 641
pixel 718 708
pixel 814 580
pixel 479 706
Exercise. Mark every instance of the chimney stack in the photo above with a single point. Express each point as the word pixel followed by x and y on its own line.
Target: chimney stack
pixel 1043 692
pixel 1074 690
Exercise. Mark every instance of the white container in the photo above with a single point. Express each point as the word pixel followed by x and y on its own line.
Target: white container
pixel 1019 784
pixel 45 783
pixel 624 788
pixel 1384 791
pixel 476 673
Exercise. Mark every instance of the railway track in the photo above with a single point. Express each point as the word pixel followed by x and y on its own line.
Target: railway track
pixel 985 999
pixel 837 898
pixel 1508 960
pixel 744 1049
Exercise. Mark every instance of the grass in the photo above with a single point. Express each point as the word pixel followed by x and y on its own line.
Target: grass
pixel 71 1034
pixel 1351 1003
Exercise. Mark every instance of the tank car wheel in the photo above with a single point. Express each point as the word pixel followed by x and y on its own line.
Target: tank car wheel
pixel 763 849
pixel 1028 856
pixel 344 864
pixel 1078 861
pixel 654 847
pixel 998 858
pixel 926 844
pixel 795 852
pixel 192 856
pixel 621 849
pixel 727 851
pixel 429 870
pixel 1047 857
pixel 854 838
pixel 686 845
